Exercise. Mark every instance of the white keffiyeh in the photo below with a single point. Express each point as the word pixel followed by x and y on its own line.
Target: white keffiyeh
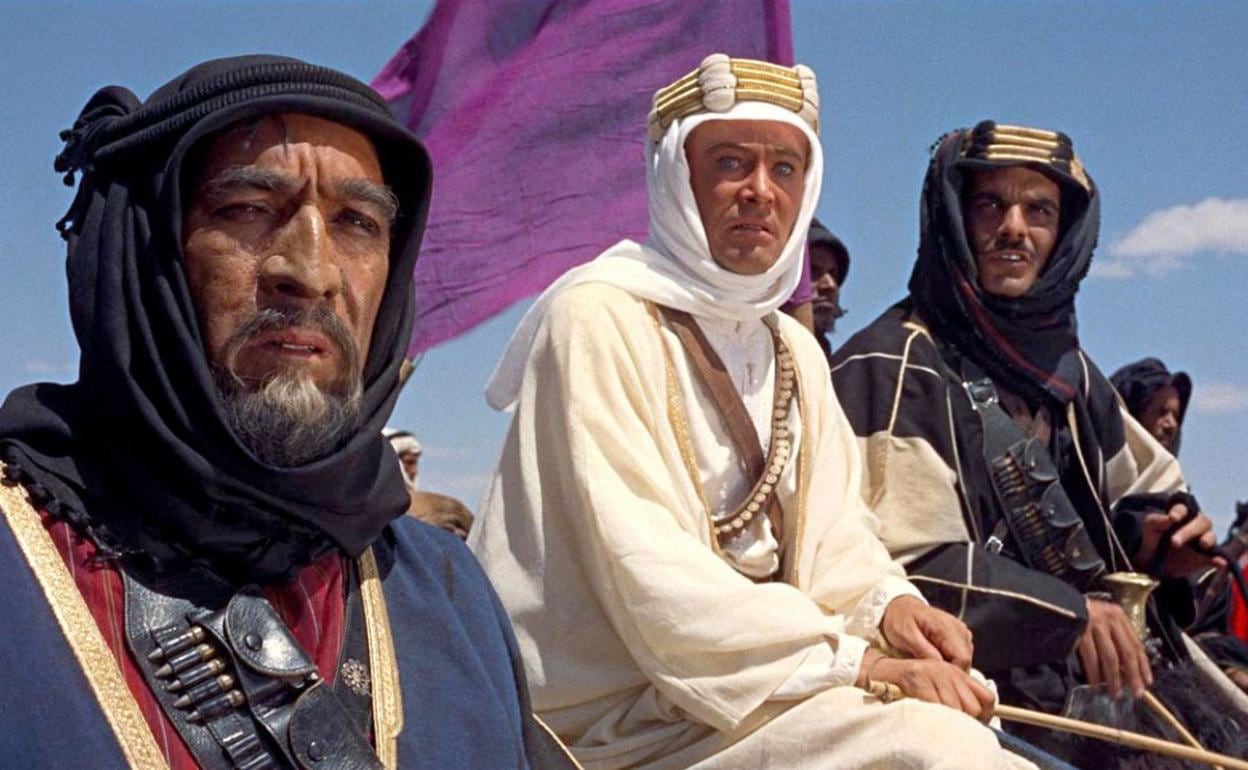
pixel 675 267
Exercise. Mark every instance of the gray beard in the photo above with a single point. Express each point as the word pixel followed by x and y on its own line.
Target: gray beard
pixel 287 420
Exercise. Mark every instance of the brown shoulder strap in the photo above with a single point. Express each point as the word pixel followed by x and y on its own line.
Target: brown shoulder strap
pixel 727 400
pixel 714 374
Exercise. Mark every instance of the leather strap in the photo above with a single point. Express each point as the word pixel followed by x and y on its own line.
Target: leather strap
pixel 236 684
pixel 353 679
pixel 1046 527
pixel 710 368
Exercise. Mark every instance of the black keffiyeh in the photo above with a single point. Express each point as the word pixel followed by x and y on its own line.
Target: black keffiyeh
pixel 1028 344
pixel 1136 382
pixel 138 453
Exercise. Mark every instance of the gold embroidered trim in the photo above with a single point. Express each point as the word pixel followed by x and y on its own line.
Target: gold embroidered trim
pixel 797 528
pixel 100 668
pixel 387 692
pixel 676 417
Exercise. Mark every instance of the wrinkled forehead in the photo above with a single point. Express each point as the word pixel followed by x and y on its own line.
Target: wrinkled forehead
pixel 271 140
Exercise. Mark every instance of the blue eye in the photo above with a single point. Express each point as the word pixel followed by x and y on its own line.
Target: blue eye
pixel 785 169
pixel 728 163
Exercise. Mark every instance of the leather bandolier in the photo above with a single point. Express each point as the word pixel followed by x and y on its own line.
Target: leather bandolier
pixel 236 684
pixel 1046 528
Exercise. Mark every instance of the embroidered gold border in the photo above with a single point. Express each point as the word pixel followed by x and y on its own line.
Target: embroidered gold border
pixel 100 668
pixel 796 529
pixel 387 692
pixel 676 417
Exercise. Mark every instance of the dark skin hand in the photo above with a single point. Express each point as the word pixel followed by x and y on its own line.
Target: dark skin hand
pixel 914 628
pixel 1110 651
pixel 1239 676
pixel 1183 558
pixel 443 512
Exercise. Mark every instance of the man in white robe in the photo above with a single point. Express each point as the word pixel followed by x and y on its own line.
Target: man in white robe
pixel 665 622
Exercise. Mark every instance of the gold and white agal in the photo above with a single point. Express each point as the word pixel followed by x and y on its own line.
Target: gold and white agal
pixel 674 267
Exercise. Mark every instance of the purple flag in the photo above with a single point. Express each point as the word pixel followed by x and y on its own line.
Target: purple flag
pixel 535 114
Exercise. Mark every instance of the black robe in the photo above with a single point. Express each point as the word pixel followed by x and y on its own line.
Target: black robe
pixel 908 405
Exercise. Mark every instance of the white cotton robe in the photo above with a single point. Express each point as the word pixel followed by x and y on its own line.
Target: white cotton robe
pixel 644 648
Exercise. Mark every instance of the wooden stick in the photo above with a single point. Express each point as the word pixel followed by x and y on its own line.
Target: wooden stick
pixel 1115 735
pixel 1160 708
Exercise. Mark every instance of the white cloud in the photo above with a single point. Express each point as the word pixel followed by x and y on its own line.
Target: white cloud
pixel 1166 239
pixel 1220 397
pixel 1110 269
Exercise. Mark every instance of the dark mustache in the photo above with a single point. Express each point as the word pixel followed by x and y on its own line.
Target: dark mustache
pixel 276 319
pixel 1010 244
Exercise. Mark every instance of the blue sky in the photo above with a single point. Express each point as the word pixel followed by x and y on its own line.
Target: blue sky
pixel 1152 94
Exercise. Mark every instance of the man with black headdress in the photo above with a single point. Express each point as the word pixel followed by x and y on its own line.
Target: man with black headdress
pixel 203 538
pixel 1156 398
pixel 1006 475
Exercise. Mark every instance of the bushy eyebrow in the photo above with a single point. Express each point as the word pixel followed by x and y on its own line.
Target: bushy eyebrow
pixel 237 178
pixel 248 178
pixel 378 195
pixel 778 149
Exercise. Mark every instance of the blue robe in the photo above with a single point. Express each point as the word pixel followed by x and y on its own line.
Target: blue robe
pixel 465 703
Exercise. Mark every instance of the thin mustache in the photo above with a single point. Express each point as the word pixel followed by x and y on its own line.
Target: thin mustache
pixel 1013 246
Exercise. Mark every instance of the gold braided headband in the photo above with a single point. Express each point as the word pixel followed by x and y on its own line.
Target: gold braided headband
pixel 720 82
pixel 997 141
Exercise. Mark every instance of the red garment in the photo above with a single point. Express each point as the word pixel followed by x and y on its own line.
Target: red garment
pixel 312 606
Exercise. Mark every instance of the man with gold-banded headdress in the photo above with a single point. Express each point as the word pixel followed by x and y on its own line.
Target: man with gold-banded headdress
pixel 1007 476
pixel 675 525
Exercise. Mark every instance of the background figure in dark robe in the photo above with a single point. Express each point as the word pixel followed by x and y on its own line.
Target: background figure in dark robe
pixel 829 267
pixel 1005 473
pixel 205 557
pixel 1156 398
